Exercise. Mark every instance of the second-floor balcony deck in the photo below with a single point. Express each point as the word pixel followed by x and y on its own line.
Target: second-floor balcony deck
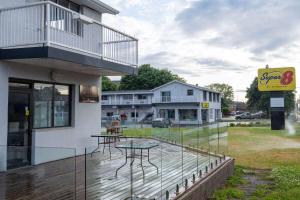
pixel 127 102
pixel 51 25
pixel 177 99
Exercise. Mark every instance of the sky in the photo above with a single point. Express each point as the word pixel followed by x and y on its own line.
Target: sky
pixel 213 41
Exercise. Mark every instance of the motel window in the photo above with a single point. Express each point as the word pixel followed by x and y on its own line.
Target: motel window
pixel 165 96
pixel 136 114
pixel 52 105
pixel 142 96
pixel 167 113
pixel 109 114
pixel 190 92
pixel 204 96
pixel 210 96
pixel 104 97
pixel 218 97
pixel 127 97
pixel 188 114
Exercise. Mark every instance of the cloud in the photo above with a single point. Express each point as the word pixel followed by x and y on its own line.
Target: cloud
pixel 259 26
pixel 209 41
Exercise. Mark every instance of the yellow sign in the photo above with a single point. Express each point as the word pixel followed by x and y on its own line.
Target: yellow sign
pixel 205 105
pixel 277 79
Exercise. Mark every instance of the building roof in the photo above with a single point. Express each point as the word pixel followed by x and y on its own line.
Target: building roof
pixel 151 91
pixel 98 6
pixel 189 85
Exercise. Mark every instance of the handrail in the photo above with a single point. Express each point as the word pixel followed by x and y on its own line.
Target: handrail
pixel 53 24
pixel 66 9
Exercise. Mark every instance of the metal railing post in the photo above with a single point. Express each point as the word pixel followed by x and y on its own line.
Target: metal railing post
pixel 47 37
pixel 137 53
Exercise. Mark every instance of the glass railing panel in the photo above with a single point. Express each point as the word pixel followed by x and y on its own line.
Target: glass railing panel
pixel 107 170
pixel 146 168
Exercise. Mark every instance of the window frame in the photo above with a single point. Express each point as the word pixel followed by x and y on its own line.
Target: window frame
pixel 190 94
pixel 204 95
pixel 32 110
pixel 53 105
pixel 104 99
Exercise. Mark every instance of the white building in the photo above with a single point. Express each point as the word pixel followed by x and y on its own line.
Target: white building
pixel 181 102
pixel 50 51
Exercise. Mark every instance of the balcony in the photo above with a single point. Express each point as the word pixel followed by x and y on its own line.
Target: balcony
pixel 172 99
pixel 127 102
pixel 48 25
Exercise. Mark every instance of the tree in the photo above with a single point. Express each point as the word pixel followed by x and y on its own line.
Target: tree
pixel 108 85
pixel 148 78
pixel 227 95
pixel 261 100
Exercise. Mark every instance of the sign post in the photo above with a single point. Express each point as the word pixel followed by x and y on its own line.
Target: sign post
pixel 275 81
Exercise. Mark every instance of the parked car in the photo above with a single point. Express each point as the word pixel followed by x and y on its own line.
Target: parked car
pixel 161 123
pixel 258 115
pixel 245 115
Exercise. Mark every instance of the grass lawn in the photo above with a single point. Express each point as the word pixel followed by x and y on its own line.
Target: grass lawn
pixel 268 164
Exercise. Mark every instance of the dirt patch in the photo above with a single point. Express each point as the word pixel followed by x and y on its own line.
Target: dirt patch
pixel 254 178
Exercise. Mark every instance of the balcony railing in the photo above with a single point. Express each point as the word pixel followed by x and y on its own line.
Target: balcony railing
pixel 48 24
pixel 127 102
pixel 176 99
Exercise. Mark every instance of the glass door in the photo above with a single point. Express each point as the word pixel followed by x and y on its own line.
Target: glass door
pixel 19 132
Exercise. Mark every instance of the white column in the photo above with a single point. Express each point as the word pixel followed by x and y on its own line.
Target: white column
pixel 176 115
pixel 3 115
pixel 199 116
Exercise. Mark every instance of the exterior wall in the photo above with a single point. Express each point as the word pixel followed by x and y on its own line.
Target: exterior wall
pixel 86 117
pixel 141 110
pixel 179 93
pixel 91 13
pixel 11 3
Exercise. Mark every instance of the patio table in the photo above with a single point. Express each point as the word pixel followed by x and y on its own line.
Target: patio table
pixel 107 140
pixel 137 145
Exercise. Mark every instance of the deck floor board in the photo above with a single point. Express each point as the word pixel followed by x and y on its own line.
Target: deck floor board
pixel 58 181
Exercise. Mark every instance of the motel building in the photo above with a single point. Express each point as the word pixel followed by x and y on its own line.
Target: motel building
pixel 52 56
pixel 182 103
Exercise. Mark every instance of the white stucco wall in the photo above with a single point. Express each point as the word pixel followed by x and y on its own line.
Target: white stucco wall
pixel 11 3
pixel 86 117
pixel 178 91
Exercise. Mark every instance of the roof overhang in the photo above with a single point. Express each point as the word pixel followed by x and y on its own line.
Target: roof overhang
pixel 98 6
pixel 56 58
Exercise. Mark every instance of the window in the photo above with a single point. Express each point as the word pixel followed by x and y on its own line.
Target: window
pixel 104 97
pixel 166 96
pixel 109 114
pixel 127 97
pixel 142 96
pixel 210 96
pixel 52 103
pixel 136 115
pixel 190 92
pixel 167 113
pixel 63 20
pixel 218 97
pixel 214 97
pixel 204 96
pixel 188 114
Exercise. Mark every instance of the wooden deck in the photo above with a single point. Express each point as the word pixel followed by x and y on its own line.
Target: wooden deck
pixel 58 180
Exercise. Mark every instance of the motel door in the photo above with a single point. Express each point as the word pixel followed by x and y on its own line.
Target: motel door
pixel 19 134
